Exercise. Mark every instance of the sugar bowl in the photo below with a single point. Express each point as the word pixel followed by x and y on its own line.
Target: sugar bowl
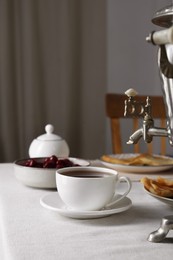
pixel 49 144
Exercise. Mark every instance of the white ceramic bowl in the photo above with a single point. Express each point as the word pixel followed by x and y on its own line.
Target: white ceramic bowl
pixel 40 177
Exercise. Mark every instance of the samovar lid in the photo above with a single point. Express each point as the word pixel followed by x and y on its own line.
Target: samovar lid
pixel 164 17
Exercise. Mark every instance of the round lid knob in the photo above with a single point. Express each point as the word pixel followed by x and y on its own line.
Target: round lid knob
pixel 49 136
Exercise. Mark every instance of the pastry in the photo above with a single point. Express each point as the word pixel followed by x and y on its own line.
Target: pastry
pixel 160 186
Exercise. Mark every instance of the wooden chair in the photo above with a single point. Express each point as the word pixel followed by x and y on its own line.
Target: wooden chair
pixel 115 112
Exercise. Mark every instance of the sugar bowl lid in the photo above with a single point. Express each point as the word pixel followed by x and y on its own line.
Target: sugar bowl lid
pixel 49 136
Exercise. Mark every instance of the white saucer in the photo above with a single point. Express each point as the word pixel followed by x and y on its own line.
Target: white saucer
pixel 53 202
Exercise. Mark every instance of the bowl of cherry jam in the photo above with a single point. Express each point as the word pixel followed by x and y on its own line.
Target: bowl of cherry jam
pixel 40 172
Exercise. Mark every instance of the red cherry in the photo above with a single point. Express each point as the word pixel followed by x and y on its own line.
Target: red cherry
pixel 31 163
pixel 53 158
pixel 62 163
pixel 49 165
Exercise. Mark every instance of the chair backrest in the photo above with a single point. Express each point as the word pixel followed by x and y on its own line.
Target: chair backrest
pixel 115 112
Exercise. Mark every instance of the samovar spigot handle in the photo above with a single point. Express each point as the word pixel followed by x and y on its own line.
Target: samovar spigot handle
pixel 134 108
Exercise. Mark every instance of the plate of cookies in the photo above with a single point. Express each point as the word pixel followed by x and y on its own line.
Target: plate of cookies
pixel 160 188
pixel 137 163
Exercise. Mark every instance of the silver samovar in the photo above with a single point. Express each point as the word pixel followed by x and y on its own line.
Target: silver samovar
pixel 164 40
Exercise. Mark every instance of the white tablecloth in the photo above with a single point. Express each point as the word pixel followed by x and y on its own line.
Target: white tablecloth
pixel 29 231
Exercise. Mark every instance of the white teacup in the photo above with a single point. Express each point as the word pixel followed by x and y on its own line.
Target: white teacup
pixel 89 188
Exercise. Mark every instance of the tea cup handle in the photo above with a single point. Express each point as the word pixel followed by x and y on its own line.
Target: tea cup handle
pixel 129 185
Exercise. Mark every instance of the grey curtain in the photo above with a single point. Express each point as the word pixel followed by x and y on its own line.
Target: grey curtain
pixel 52 70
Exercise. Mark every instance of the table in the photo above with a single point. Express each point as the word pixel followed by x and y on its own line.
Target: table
pixel 29 231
